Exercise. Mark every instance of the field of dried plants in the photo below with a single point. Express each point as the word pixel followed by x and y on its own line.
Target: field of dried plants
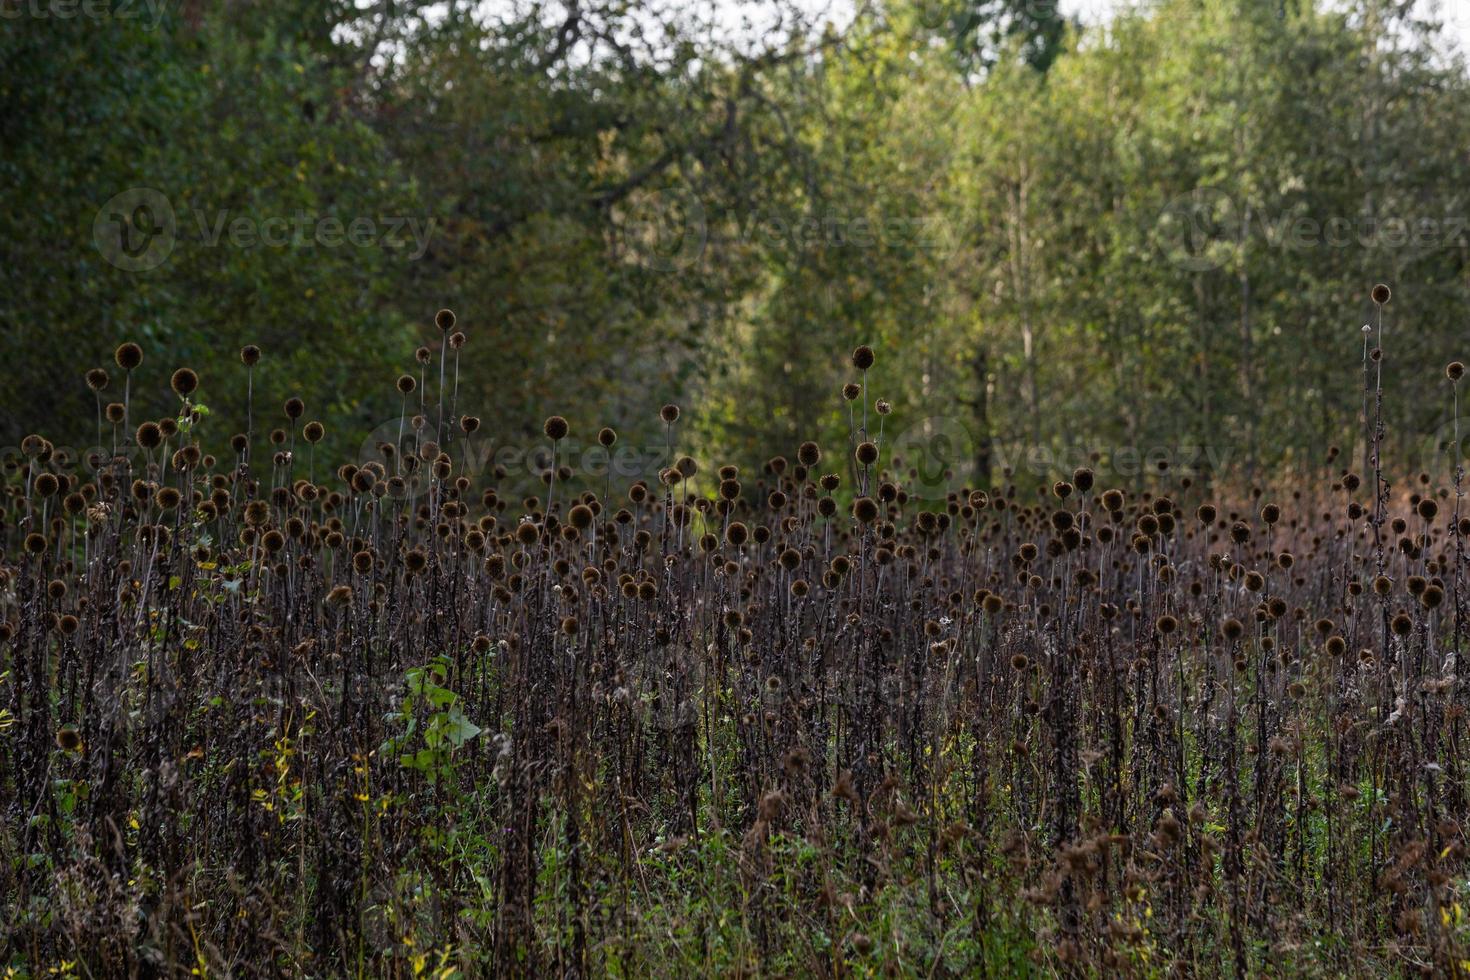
pixel 264 715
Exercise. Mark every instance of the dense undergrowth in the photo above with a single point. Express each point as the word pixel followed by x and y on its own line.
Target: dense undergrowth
pixel 260 717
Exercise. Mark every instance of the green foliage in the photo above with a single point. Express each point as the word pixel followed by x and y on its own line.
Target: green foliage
pixel 1039 226
pixel 433 723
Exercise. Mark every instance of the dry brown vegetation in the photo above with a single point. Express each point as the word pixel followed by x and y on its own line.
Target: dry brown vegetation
pixel 790 722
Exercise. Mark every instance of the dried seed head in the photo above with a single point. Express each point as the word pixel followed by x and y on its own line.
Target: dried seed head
pixel 128 356
pixel 556 428
pixel 862 357
pixel 184 382
pixel 149 435
pixel 444 320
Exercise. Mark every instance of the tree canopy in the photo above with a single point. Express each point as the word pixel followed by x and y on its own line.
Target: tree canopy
pixel 1152 239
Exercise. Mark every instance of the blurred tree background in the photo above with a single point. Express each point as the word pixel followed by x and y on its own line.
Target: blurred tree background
pixel 1157 236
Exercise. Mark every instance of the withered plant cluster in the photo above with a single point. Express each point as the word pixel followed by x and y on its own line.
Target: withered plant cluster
pixel 262 716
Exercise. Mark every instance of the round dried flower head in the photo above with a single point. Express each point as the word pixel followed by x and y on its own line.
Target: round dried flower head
pixel 149 435
pixel 250 355
pixel 851 391
pixel 1454 370
pixel 422 355
pixel 97 379
pixel 669 413
pixel 68 739
pixel 444 320
pixel 556 428
pixel 313 432
pixel 406 384
pixel 470 424
pixel 257 512
pixel 867 453
pixel 883 407
pixel 128 356
pixel 184 382
pixel 862 357
pixel 294 408
pixel 865 509
pixel 606 437
pixel 809 454
pixel 1381 294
